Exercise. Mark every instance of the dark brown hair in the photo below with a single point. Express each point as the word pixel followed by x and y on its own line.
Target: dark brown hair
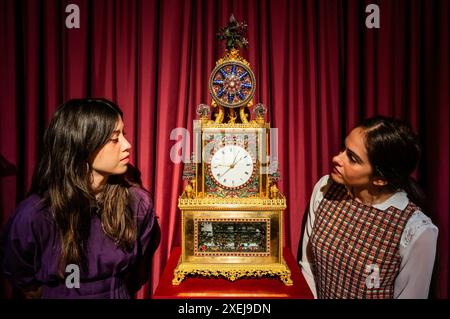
pixel 78 129
pixel 394 151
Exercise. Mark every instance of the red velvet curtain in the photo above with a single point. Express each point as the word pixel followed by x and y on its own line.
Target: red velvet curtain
pixel 318 69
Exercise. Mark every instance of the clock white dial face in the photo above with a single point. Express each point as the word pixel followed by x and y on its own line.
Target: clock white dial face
pixel 232 166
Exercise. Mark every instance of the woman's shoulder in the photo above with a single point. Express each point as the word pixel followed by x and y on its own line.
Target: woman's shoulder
pixel 417 224
pixel 322 185
pixel 140 195
pixel 319 191
pixel 30 209
pixel 141 200
pixel 30 214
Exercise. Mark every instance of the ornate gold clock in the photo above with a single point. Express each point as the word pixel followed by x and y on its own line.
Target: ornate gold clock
pixel 231 209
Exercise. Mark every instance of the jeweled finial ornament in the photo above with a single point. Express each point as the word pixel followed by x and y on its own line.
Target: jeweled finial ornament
pixel 203 110
pixel 259 110
pixel 232 82
pixel 233 34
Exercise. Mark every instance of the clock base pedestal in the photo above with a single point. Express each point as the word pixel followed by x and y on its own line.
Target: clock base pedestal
pixel 232 271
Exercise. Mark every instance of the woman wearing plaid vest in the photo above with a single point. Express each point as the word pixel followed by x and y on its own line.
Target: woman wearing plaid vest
pixel 364 236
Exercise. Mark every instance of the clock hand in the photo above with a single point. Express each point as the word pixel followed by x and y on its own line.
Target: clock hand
pixel 234 161
pixel 233 165
pixel 221 165
pixel 226 171
pixel 239 160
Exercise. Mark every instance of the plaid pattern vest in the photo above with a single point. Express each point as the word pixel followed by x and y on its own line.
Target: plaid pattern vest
pixel 356 247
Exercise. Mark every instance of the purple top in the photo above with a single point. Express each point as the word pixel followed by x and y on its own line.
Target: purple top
pixel 32 250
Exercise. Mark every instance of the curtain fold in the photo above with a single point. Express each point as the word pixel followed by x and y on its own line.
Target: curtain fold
pixel 318 69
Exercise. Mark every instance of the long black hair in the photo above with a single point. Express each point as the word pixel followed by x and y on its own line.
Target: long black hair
pixel 62 177
pixel 394 152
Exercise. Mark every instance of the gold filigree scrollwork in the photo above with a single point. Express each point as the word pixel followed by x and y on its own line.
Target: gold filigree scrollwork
pixel 274 191
pixel 220 114
pixel 286 279
pixel 190 189
pixel 217 203
pixel 232 55
pixel 232 116
pixel 233 272
pixel 243 115
pixel 179 277
pixel 251 124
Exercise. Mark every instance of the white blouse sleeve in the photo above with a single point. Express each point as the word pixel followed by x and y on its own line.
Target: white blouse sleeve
pixel 417 249
pixel 306 262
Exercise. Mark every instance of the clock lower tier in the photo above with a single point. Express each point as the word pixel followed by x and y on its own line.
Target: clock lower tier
pixel 233 240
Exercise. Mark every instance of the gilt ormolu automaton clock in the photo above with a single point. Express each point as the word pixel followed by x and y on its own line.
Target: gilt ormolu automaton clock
pixel 231 209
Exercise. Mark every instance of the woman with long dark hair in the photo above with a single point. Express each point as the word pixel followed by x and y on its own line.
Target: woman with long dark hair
pixel 365 236
pixel 84 230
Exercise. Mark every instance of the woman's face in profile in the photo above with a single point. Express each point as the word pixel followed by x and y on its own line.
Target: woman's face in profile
pixel 113 157
pixel 351 166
